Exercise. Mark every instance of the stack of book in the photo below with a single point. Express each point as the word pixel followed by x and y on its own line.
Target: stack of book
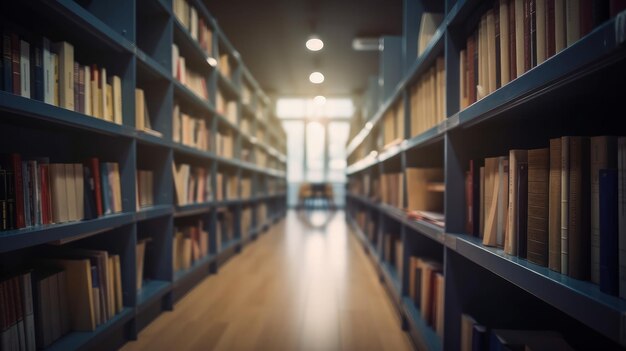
pixel 190 130
pixel 475 336
pixel 193 80
pixel 48 72
pixel 428 98
pixel 187 16
pixel 393 125
pixel 190 244
pixel 192 184
pixel 145 188
pixel 426 290
pixel 36 192
pixel 516 35
pixel 391 189
pixel 556 207
pixel 225 144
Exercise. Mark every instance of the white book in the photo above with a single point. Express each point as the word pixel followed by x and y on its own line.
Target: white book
pixel 48 72
pixel 103 93
pixel 193 25
pixel 175 56
pixel 25 68
pixel 117 99
pixel 88 103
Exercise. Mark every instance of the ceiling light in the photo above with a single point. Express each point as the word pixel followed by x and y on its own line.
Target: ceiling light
pixel 366 44
pixel 314 44
pixel 316 78
pixel 319 100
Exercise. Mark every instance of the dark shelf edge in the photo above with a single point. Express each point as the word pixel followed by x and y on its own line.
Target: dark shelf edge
pixel 422 334
pixel 152 291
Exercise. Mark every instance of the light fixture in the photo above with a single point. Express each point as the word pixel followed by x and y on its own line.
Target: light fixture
pixel 366 44
pixel 319 100
pixel 211 61
pixel 314 43
pixel 316 78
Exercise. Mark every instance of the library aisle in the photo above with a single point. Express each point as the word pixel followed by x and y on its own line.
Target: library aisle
pixel 306 285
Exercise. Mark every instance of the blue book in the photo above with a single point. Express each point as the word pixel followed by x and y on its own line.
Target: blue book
pixel 609 265
pixel 106 190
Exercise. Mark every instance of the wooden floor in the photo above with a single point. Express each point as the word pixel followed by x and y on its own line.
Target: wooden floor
pixel 305 285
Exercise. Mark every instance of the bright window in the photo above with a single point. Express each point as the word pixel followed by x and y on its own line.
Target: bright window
pixel 308 108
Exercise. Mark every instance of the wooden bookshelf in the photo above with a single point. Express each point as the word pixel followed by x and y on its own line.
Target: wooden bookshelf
pixel 574 92
pixel 135 42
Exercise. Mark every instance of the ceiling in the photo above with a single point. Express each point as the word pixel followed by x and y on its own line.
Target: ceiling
pixel 270 36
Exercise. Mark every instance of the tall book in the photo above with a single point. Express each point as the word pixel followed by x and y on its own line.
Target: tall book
pixel 621 206
pixel 540 33
pixel 522 207
pixel 538 180
pixel 65 53
pixel 554 219
pixel 25 69
pixel 579 225
pixel 572 21
pixel 608 267
pixel 504 44
pixel 550 28
pixel 560 40
pixel 516 157
pixel 603 156
pixel 565 142
pixel 519 37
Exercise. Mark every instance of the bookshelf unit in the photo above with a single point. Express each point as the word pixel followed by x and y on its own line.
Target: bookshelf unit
pixel 133 40
pixel 574 92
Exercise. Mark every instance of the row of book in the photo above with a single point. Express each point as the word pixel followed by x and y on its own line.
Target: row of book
pixel 226 108
pixel 192 184
pixel 428 98
pixel 426 290
pixel 72 289
pixel 516 35
pixel 190 244
pixel 187 16
pixel 145 188
pixel 190 130
pixel 193 80
pixel 392 189
pixel 477 337
pixel 393 125
pixel 556 206
pixel 225 144
pixel 36 192
pixel 45 71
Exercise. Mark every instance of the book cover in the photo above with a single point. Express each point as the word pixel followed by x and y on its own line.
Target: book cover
pixel 609 262
pixel 538 188
pixel 516 157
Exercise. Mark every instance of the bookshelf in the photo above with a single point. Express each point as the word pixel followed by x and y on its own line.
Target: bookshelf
pixel 574 92
pixel 133 40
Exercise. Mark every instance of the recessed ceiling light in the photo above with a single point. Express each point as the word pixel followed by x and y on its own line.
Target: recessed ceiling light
pixel 316 78
pixel 319 100
pixel 314 44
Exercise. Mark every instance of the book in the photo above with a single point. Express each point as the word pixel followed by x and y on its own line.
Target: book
pixel 520 47
pixel 565 164
pixel 608 212
pixel 37 70
pixel 116 92
pixel 538 206
pixel 522 207
pixel 467 330
pixel 504 41
pixel 429 23
pixel 516 157
pixel 540 31
pixel 572 21
pixel 25 88
pixel 554 200
pixel 603 156
pixel 496 200
pixel 579 226
pixel 65 53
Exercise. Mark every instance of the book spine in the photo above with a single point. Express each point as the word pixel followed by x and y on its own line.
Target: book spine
pixel 609 272
pixel 512 40
pixel 37 74
pixel 550 29
pixel 15 64
pixel 565 164
pixel 522 206
pixel 471 66
pixel 498 56
pixel 527 36
pixel 579 209
pixel 94 163
pixel 18 186
pixel 554 235
pixel 43 176
pixel 26 194
pixel 538 179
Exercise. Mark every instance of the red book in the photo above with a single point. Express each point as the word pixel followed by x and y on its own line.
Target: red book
pixel 94 164
pixel 469 200
pixel 550 29
pixel 15 67
pixel 46 214
pixel 586 17
pixel 471 64
pixel 16 162
pixel 512 50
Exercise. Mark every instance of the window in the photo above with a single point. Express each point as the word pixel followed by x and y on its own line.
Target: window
pixel 307 108
pixel 295 155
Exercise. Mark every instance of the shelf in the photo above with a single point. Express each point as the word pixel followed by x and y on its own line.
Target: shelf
pixel 26 107
pixel 391 277
pixel 156 211
pixel 189 96
pixel 151 291
pixel 31 236
pixel 151 139
pixel 421 332
pixel 597 49
pixel 77 340
pixel 190 151
pixel 227 245
pixel 227 203
pixel 188 45
pixel 602 312
pixel 361 165
pixel 196 266
pixel 227 86
pixel 89 24
pixel 364 200
pixel 156 69
pixel 193 209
